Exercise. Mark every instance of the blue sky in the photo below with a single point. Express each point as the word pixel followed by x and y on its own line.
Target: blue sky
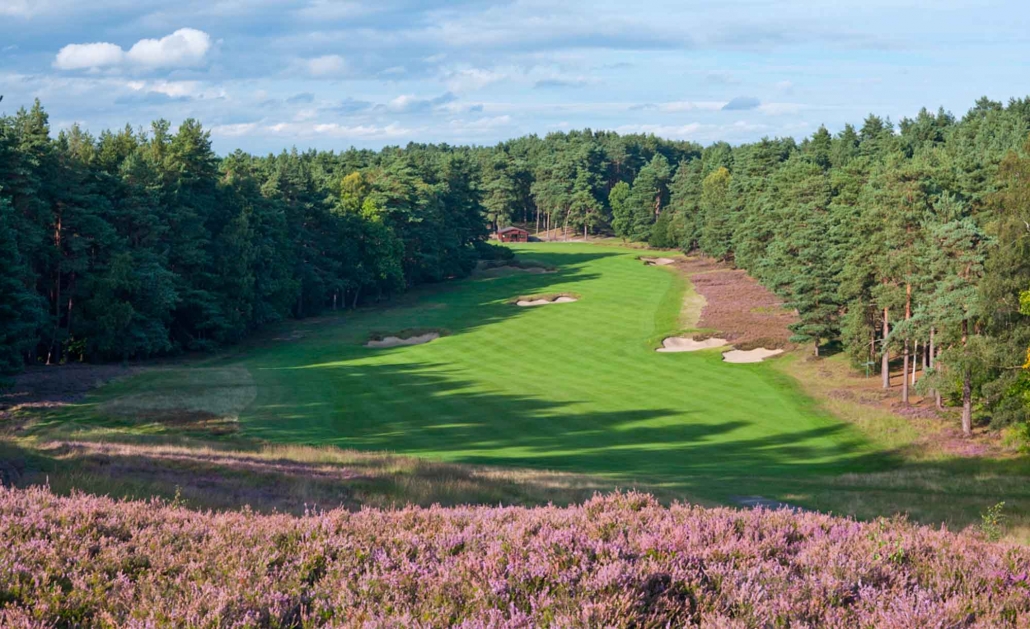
pixel 264 75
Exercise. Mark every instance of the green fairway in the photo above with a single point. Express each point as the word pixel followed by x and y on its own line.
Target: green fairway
pixel 574 386
pixel 569 387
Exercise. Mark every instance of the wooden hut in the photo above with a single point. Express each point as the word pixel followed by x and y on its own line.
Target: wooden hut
pixel 512 234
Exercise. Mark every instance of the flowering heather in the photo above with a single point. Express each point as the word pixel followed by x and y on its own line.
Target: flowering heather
pixel 619 560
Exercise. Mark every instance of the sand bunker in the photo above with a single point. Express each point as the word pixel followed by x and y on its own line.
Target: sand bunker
pixel 681 344
pixel 657 261
pixel 544 302
pixel 396 341
pixel 750 356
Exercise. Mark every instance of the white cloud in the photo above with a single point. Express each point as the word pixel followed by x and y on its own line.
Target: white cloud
pixel 327 65
pixel 234 130
pixel 472 78
pixel 184 47
pixel 177 89
pixel 331 10
pixel 679 106
pixel 17 8
pixel 88 56
pixel 336 130
pixel 403 102
pixel 480 124
pixel 676 132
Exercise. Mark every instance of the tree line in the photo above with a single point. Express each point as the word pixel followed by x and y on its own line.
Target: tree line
pixel 141 243
pixel 904 246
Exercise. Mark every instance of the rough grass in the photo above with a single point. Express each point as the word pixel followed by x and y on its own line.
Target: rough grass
pixel 282 478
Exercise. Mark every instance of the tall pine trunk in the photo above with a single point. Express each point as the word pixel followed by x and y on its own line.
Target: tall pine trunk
pixel 904 370
pixel 885 361
pixel 967 389
pixel 915 361
pixel 936 392
pixel 50 358
pixel 967 403
pixel 904 373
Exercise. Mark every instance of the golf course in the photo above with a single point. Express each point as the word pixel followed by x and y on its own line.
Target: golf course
pixel 570 387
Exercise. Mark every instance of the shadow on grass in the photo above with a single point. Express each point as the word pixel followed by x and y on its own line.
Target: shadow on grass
pixel 422 409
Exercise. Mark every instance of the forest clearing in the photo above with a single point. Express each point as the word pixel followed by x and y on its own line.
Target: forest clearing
pixel 526 405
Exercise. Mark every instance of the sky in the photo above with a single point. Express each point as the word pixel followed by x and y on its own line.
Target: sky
pixel 267 75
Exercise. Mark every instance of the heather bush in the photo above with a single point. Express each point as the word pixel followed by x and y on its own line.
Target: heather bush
pixel 620 560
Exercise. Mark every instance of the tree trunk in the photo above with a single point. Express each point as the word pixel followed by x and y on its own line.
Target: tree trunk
pixel 885 361
pixel 904 374
pixel 357 293
pixel 967 403
pixel 57 293
pixel 904 371
pixel 915 361
pixel 967 389
pixel 538 222
pixel 936 393
pixel 931 353
pixel 565 227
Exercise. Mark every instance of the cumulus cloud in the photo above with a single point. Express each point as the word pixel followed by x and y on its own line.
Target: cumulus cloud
pixel 185 47
pixel 742 103
pixel 86 56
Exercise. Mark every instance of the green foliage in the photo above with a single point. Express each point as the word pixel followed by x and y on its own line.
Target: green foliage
pixel 20 309
pixel 138 244
pixel 991 522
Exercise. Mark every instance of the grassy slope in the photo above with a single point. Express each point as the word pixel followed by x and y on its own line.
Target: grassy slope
pixel 571 387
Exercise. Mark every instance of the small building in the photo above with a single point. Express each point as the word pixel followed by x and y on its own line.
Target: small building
pixel 512 234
